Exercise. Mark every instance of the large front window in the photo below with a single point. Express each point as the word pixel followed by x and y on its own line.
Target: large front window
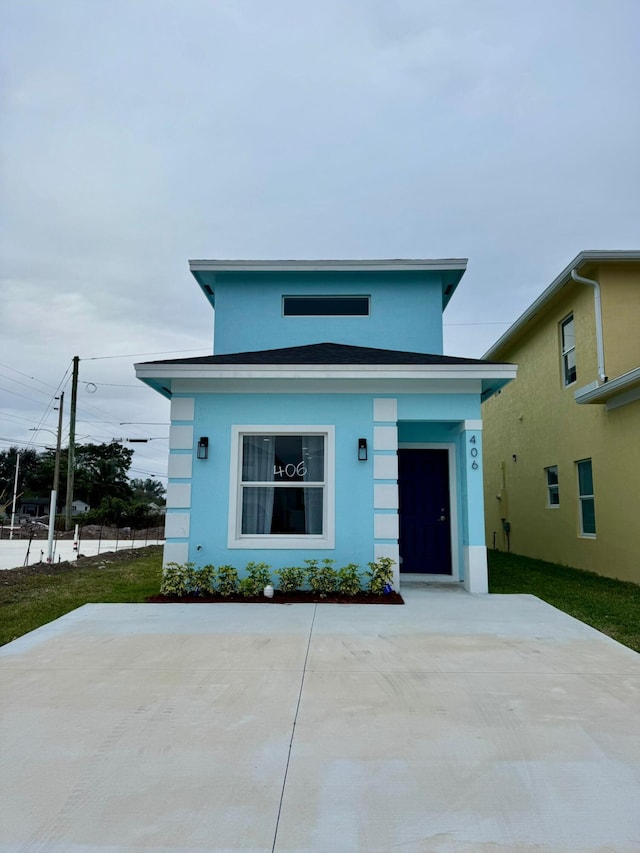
pixel 282 488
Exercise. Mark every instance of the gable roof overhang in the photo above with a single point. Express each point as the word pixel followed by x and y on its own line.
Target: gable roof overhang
pixel 581 262
pixel 323 366
pixel 615 393
pixel 450 270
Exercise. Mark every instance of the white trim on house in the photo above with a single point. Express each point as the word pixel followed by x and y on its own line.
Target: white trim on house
pixel 180 466
pixel 603 393
pixel 476 577
pixel 326 386
pixel 175 552
pixel 453 500
pixel 234 538
pixel 354 265
pixel 180 437
pixel 182 408
pixel 471 424
pixel 173 370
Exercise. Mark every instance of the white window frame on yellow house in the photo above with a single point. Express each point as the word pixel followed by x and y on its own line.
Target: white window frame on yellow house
pixel 567 351
pixel 552 488
pixel 584 497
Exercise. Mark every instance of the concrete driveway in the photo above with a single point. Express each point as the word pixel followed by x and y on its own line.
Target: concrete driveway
pixel 456 723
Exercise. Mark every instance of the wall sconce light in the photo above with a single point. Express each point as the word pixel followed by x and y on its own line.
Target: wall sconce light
pixel 203 447
pixel 362 450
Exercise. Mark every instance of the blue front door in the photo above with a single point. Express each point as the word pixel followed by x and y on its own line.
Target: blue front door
pixel 425 524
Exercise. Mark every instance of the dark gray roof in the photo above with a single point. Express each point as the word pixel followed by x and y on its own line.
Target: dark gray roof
pixel 326 353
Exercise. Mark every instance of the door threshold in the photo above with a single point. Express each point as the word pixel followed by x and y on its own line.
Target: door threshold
pixel 408 577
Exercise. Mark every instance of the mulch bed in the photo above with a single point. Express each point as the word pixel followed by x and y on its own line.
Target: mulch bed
pixel 280 598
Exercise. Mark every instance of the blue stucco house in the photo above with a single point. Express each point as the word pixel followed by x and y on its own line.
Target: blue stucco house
pixel 327 422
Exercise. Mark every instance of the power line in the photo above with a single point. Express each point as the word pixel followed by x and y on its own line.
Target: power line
pixel 24 397
pixel 21 373
pixel 136 354
pixel 15 442
pixel 110 384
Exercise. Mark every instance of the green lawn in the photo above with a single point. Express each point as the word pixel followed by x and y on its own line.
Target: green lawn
pixel 611 606
pixel 29 599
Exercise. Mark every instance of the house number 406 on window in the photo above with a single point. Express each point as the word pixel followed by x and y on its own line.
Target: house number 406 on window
pixel 290 470
pixel 473 452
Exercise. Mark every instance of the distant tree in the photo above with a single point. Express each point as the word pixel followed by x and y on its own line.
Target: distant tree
pixel 148 490
pixel 101 472
pixel 29 463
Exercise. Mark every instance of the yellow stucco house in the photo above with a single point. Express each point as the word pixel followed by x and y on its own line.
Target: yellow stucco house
pixel 562 441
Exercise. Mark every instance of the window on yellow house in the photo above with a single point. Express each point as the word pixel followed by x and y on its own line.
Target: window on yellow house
pixel 568 342
pixel 586 498
pixel 553 487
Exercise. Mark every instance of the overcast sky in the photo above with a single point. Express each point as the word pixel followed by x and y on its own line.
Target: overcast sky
pixel 137 134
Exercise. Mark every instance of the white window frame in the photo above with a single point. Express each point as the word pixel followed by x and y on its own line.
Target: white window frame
pixel 584 497
pixel 566 350
pixel 235 537
pixel 552 487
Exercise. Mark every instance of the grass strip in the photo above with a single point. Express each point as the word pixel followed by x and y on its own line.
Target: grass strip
pixel 35 595
pixel 611 606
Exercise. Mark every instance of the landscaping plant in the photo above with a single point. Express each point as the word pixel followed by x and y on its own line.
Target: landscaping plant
pixel 322 579
pixel 349 580
pixel 256 579
pixel 227 581
pixel 291 579
pixel 381 575
pixel 207 580
pixel 174 581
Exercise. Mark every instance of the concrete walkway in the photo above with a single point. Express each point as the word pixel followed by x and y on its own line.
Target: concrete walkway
pixel 455 724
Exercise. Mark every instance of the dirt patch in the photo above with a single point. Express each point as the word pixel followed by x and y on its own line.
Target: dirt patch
pixel 9 576
pixel 280 598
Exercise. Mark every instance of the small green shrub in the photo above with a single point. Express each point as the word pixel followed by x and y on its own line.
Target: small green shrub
pixel 380 575
pixel 322 579
pixel 256 579
pixel 227 580
pixel 349 580
pixel 207 580
pixel 246 588
pixel 291 578
pixel 173 580
pixel 191 578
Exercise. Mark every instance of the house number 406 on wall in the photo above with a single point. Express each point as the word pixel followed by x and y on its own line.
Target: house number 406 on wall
pixel 473 452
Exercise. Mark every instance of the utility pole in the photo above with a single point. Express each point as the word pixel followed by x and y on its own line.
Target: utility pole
pixel 56 483
pixel 15 495
pixel 71 461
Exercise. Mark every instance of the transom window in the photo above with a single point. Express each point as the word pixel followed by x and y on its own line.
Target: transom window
pixel 568 340
pixel 283 495
pixel 553 487
pixel 586 498
pixel 325 306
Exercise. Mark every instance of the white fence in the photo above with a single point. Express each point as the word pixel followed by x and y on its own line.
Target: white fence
pixel 19 552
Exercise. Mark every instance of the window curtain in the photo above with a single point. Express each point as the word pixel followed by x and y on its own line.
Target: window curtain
pixel 315 472
pixel 258 456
